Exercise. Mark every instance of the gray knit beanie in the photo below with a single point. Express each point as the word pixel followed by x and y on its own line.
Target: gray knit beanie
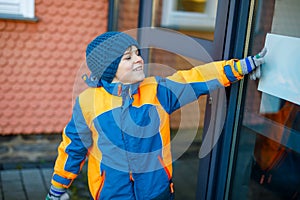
pixel 104 53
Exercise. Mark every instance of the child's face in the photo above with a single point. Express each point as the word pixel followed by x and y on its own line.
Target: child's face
pixel 131 67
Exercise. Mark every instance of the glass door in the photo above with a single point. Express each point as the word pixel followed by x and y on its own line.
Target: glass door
pixel 267 151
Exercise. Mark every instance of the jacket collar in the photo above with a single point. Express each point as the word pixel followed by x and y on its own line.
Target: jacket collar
pixel 119 89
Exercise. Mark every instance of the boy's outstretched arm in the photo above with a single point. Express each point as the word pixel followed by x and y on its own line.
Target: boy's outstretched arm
pixel 229 71
pixel 186 86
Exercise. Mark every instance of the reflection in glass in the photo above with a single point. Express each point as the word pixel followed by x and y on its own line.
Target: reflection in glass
pixel 276 160
pixel 192 17
pixel 191 5
pixel 268 158
pixel 125 15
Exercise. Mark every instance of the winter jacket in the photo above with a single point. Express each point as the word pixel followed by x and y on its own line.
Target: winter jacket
pixel 124 131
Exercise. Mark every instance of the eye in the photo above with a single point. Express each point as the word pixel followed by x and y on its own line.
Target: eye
pixel 127 57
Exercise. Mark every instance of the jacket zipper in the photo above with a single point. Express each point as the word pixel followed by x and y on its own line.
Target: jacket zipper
pixel 121 123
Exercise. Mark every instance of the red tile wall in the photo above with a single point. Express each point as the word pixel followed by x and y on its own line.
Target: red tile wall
pixel 39 61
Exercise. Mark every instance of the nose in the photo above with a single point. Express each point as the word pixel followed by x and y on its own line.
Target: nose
pixel 138 59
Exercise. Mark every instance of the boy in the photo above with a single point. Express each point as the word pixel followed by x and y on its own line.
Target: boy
pixel 121 123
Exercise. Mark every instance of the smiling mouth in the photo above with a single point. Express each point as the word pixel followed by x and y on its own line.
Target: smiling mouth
pixel 138 69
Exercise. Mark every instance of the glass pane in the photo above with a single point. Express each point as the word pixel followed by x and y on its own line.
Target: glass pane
pixel 126 15
pixel 268 160
pixel 183 125
pixel 192 17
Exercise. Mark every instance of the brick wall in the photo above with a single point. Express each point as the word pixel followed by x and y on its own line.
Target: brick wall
pixel 39 62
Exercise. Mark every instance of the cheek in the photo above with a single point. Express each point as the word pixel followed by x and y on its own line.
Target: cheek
pixel 126 68
pixel 123 69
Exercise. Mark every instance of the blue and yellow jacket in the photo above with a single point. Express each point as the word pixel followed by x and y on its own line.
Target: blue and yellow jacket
pixel 124 130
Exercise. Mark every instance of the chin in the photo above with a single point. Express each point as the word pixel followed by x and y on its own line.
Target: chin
pixel 138 80
pixel 134 79
pixel 142 77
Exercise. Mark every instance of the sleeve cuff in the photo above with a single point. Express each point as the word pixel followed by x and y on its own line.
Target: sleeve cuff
pixel 59 181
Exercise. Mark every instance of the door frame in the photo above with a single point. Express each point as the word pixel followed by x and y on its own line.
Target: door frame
pixel 238 25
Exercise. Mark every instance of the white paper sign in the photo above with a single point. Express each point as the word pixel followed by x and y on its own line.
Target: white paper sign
pixel 281 71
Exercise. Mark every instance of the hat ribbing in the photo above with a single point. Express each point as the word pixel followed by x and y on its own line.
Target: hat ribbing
pixel 104 53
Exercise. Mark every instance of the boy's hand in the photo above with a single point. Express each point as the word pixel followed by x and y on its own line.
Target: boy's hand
pixel 57 194
pixel 259 60
pixel 251 65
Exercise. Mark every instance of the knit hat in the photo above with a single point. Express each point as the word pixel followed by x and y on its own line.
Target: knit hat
pixel 104 54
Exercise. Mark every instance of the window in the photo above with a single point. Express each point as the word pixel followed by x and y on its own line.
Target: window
pixel 17 9
pixel 192 17
pixel 190 14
